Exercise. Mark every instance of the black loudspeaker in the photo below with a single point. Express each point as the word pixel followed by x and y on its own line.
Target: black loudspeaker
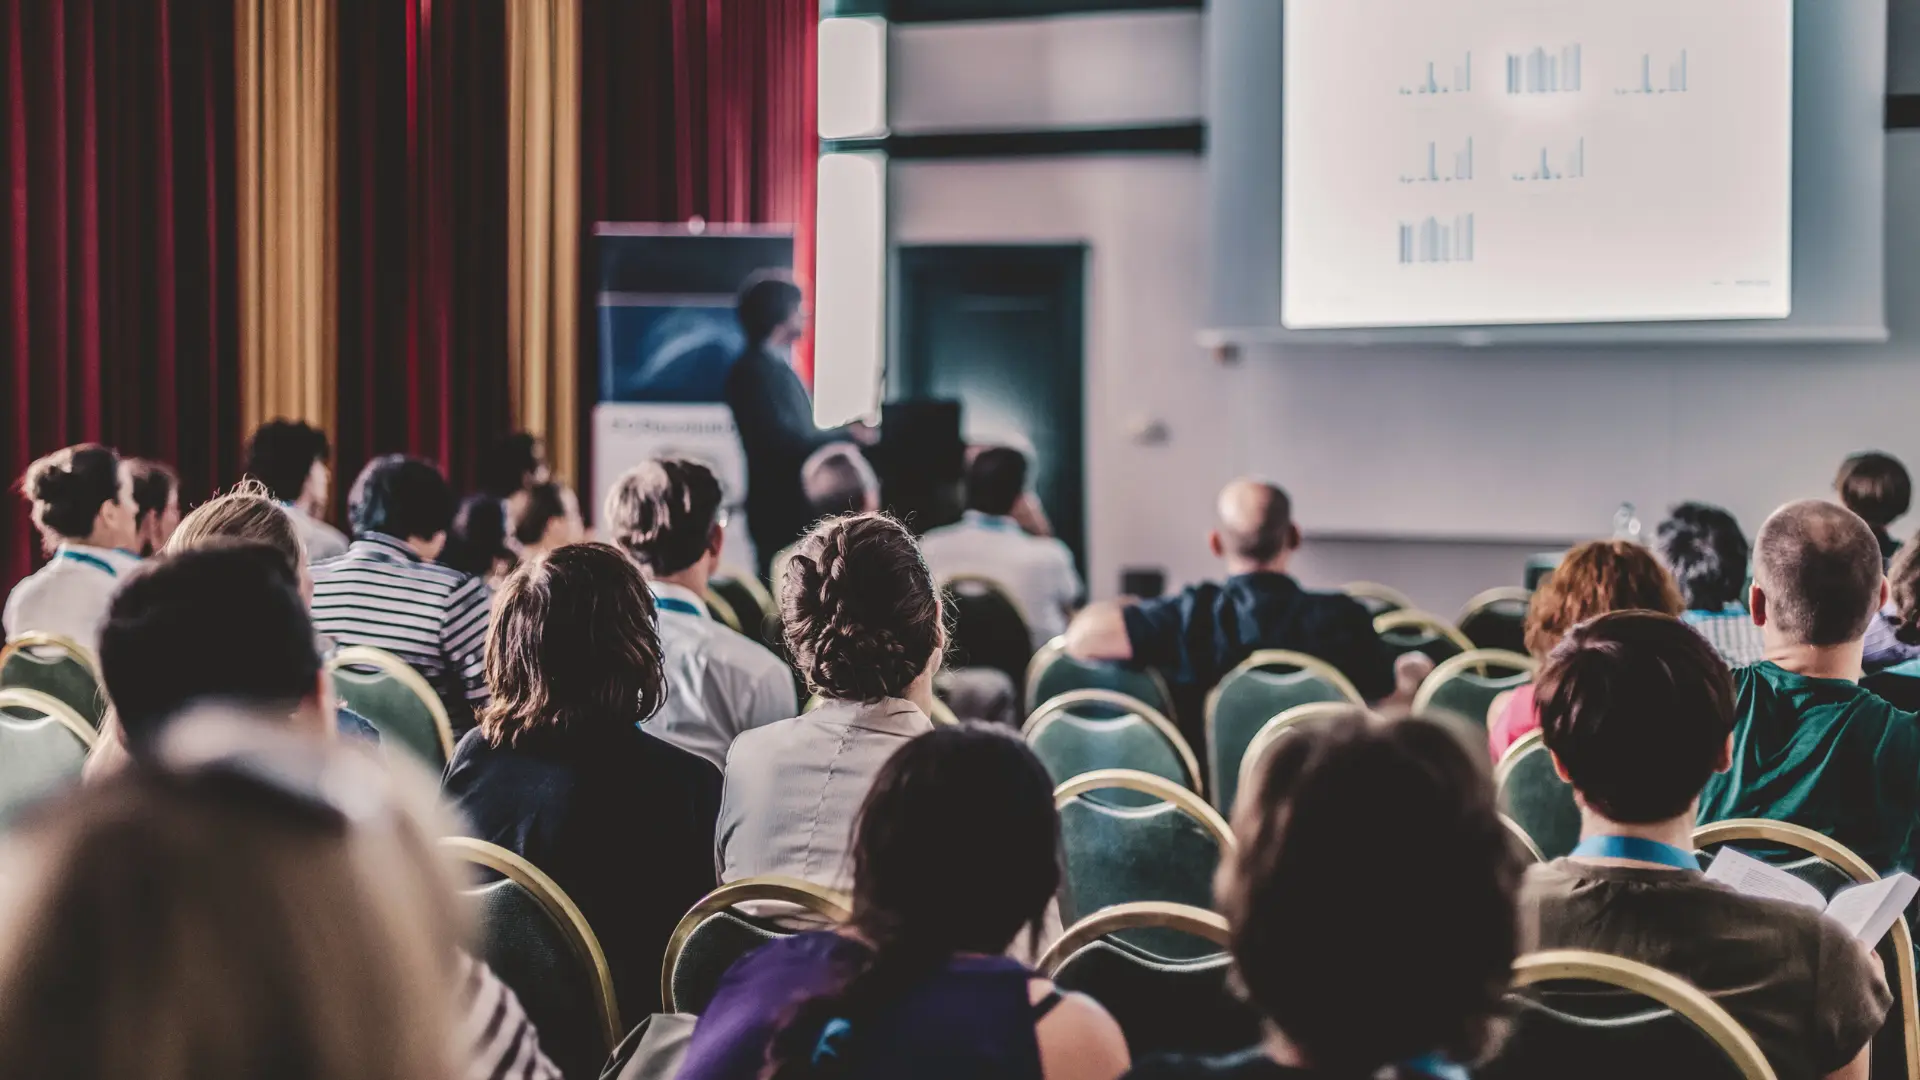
pixel 1145 583
pixel 922 462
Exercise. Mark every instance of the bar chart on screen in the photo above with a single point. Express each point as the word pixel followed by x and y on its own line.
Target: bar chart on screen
pixel 1458 167
pixel 1550 164
pixel 1672 76
pixel 1457 77
pixel 1437 241
pixel 1540 71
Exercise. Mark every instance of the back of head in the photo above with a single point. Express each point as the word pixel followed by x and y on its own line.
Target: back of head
pixel 281 454
pixel 996 478
pixel 67 488
pixel 838 480
pixel 1594 578
pixel 768 299
pixel 155 484
pixel 512 464
pixel 478 538
pixel 573 648
pixel 1874 486
pixel 662 512
pixel 1818 566
pixel 243 514
pixel 540 506
pixel 403 497
pixel 1344 814
pixel 1637 707
pixel 1255 521
pixel 224 622
pixel 858 607
pixel 1703 548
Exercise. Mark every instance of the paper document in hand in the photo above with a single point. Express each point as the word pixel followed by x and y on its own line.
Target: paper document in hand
pixel 1867 910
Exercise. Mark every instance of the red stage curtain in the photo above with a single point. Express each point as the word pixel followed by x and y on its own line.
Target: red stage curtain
pixel 422 243
pixel 118 319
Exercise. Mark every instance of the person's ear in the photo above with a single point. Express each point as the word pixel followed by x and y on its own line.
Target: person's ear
pixel 716 541
pixel 1886 593
pixel 1215 545
pixel 1558 768
pixel 1293 536
pixel 1757 605
pixel 315 714
pixel 1726 755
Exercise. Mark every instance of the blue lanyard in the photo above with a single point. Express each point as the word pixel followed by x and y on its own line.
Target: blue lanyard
pixel 674 603
pixel 994 522
pixel 94 561
pixel 1637 849
pixel 1437 1067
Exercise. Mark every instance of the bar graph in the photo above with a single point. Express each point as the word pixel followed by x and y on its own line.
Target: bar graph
pixel 1435 241
pixel 1437 79
pixel 1459 170
pixel 1571 164
pixel 1673 80
pixel 1542 72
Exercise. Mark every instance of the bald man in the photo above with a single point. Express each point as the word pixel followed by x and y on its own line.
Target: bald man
pixel 1809 745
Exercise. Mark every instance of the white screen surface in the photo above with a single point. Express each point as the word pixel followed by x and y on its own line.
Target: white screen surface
pixel 1486 162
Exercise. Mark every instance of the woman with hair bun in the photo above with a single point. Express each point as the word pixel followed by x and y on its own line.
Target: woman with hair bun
pixel 82 500
pixel 861 619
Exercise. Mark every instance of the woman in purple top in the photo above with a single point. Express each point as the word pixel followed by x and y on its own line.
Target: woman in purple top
pixel 956 851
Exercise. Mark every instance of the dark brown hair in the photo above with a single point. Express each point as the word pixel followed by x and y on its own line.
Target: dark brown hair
pixel 1595 578
pixel 859 608
pixel 537 507
pixel 574 643
pixel 154 483
pixel 1875 486
pixel 1904 577
pixel 662 512
pixel 1819 567
pixel 68 487
pixel 1637 707
pixel 1345 813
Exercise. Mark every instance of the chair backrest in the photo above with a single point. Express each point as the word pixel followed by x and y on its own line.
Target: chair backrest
pixel 43 746
pixel 1497 619
pixel 1166 850
pixel 1052 673
pixel 1088 730
pixel 536 940
pixel 58 667
pixel 1408 631
pixel 750 601
pixel 1829 866
pixel 990 629
pixel 1269 734
pixel 1378 599
pixel 1262 687
pixel 1898 685
pixel 1533 796
pixel 395 699
pixel 717 933
pixel 720 609
pixel 1465 686
pixel 1580 1015
pixel 1524 848
pixel 1162 1006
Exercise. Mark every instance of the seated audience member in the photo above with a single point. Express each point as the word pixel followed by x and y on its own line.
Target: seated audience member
pixel 156 502
pixel 916 984
pixel 477 542
pixel 1876 487
pixel 82 499
pixel 1702 547
pixel 836 480
pixel 1637 712
pixel 546 516
pixel 1351 979
pixel 387 591
pixel 1597 577
pixel 560 771
pixel 990 541
pixel 666 515
pixel 514 464
pixel 1810 745
pixel 291 458
pixel 1893 637
pixel 862 621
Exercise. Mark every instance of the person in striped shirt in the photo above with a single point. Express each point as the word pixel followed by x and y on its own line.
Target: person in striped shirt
pixel 387 592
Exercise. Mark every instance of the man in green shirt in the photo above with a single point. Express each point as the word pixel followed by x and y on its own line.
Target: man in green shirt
pixel 1809 745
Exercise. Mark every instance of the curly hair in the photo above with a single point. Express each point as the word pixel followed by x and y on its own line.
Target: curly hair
pixel 860 614
pixel 1595 578
pixel 1904 577
pixel 67 489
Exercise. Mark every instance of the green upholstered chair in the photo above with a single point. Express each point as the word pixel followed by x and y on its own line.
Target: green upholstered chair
pixel 1584 1016
pixel 1162 1006
pixel 396 700
pixel 1088 730
pixel 1262 687
pixel 989 627
pixel 1465 686
pixel 1524 849
pixel 716 933
pixel 1497 619
pixel 1052 673
pixel 749 601
pixel 1166 850
pixel 1533 796
pixel 1378 599
pixel 43 746
pixel 1418 631
pixel 1272 730
pixel 58 667
pixel 536 940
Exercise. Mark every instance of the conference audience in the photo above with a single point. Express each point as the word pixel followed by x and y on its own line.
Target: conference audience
pixel 836 480
pixel 1810 745
pixel 388 592
pixel 560 771
pixel 1704 550
pixel 1594 578
pixel 290 458
pixel 862 622
pixel 666 515
pixel 156 502
pixel 917 983
pixel 477 541
pixel 1346 816
pixel 546 516
pixel 1877 488
pixel 990 541
pixel 1893 637
pixel 1637 711
pixel 82 504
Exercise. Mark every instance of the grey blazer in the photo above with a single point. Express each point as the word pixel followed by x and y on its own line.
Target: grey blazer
pixel 795 786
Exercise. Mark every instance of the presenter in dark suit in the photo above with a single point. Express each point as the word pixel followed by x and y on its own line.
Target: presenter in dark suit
pixel 774 414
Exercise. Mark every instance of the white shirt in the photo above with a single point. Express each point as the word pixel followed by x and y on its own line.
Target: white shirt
pixel 719 683
pixel 1037 570
pixel 70 595
pixel 322 540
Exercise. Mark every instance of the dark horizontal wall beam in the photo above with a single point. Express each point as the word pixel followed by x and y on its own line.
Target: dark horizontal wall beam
pixel 1155 139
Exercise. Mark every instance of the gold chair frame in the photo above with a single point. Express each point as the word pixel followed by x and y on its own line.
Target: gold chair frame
pixel 1669 990
pixel 561 907
pixel 20 697
pixel 1271 731
pixel 816 899
pixel 993 585
pixel 722 611
pixel 1053 650
pixel 1157 914
pixel 1489 597
pixel 1054 707
pixel 41 639
pixel 1425 620
pixel 1513 829
pixel 1473 658
pixel 1511 759
pixel 1373 590
pixel 1165 790
pixel 399 670
pixel 750 581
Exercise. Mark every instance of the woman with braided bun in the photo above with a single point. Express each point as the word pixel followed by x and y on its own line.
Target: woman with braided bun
pixel 861 619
